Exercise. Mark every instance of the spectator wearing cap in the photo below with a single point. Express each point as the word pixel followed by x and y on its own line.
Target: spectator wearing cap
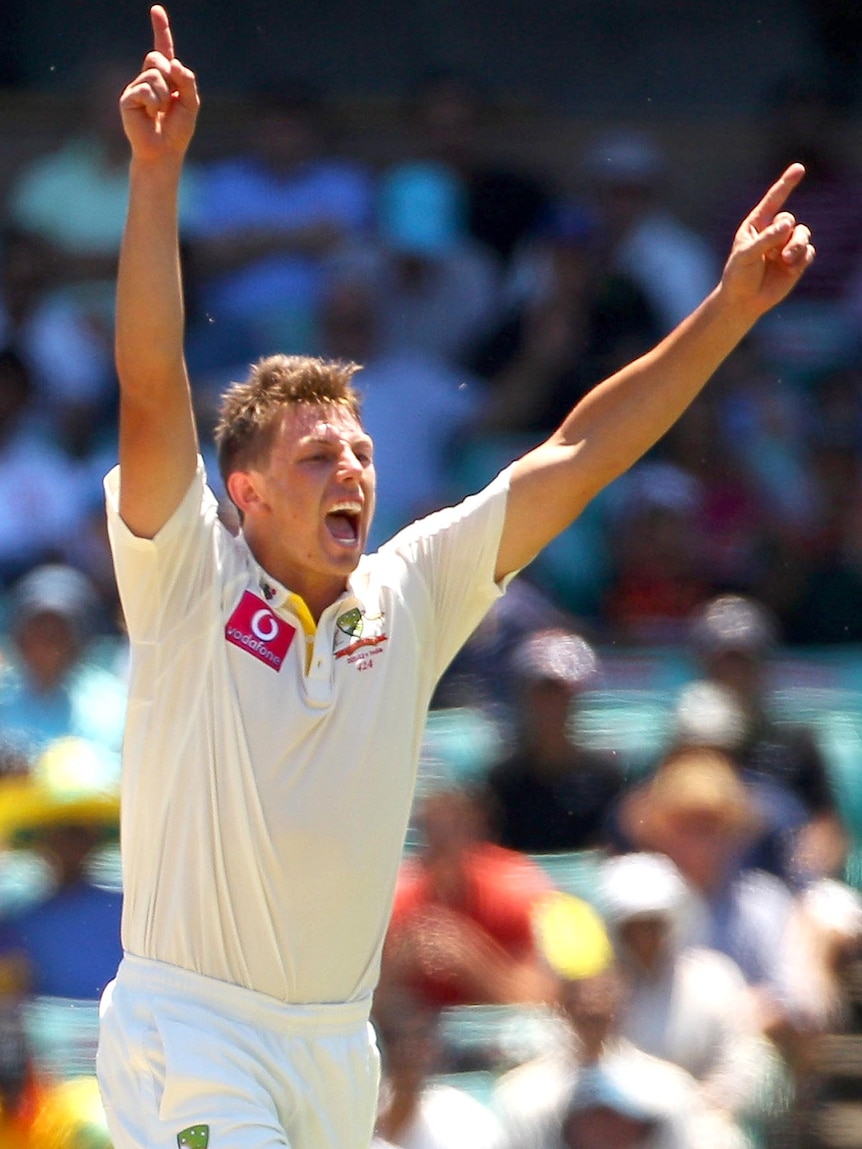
pixel 594 1087
pixel 659 573
pixel 50 688
pixel 733 636
pixel 550 794
pixel 687 1004
pixel 461 931
pixel 696 810
pixel 626 172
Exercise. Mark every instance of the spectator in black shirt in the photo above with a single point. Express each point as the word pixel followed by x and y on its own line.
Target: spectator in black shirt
pixel 550 794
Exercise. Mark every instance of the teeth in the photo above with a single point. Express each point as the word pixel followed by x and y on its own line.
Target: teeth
pixel 351 507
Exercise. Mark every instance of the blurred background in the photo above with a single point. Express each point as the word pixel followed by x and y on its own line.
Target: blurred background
pixel 491 207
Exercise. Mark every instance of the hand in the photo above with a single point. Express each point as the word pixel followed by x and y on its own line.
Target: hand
pixel 160 106
pixel 770 251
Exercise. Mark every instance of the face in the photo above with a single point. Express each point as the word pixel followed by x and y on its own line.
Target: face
pixel 702 843
pixel 646 937
pixel 48 646
pixel 592 1006
pixel 547 708
pixel 308 507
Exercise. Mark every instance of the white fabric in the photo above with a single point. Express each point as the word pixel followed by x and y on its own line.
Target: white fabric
pixel 696 1013
pixel 449 1118
pixel 532 1100
pixel 263 809
pixel 255 1073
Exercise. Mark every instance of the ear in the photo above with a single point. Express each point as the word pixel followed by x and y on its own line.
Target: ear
pixel 246 491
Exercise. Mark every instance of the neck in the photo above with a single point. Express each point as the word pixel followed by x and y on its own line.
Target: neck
pixel 317 591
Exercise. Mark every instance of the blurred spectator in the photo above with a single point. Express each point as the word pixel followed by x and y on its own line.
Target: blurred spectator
pixel 70 939
pixel 71 1117
pixel 67 357
pixel 550 794
pixel 804 118
pixel 448 112
pixel 461 930
pixel 481 674
pixel 571 323
pixel 659 573
pixel 414 404
pixel 72 202
pixel 686 1004
pixel 762 428
pixel 415 1111
pixel 733 636
pixel 734 521
pixel 823 606
pixel 269 221
pixel 696 810
pixel 23 1092
pixel 39 488
pixel 439 288
pixel 643 239
pixel 595 1088
pixel 832 911
pixel 50 688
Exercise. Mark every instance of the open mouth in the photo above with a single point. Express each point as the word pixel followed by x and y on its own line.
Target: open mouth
pixel 342 522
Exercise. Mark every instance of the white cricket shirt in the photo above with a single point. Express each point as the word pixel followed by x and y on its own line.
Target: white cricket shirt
pixel 263 806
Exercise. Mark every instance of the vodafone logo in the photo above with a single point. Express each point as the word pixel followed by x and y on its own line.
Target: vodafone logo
pixel 265 625
pixel 254 628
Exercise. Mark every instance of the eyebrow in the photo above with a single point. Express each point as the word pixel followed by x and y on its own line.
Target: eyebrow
pixel 333 436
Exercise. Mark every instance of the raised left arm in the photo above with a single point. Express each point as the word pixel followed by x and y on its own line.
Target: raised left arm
pixel 621 418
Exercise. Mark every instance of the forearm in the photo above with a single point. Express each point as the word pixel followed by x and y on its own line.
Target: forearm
pixel 618 421
pixel 613 426
pixel 150 312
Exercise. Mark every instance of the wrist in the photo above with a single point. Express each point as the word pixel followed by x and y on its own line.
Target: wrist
pixel 737 312
pixel 163 170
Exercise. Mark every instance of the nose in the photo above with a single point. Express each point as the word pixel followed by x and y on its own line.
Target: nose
pixel 349 466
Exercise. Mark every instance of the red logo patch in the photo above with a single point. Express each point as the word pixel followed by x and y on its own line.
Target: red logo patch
pixel 254 627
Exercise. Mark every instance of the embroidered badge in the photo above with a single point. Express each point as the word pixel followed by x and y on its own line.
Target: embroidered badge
pixel 253 627
pixel 350 622
pixel 359 638
pixel 195 1137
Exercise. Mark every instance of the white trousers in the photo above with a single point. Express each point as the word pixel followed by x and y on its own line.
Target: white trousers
pixel 189 1061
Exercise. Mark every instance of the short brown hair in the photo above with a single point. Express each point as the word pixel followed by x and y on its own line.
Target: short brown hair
pixel 248 411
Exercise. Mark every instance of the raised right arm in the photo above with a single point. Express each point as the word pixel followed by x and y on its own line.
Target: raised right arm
pixel 158 440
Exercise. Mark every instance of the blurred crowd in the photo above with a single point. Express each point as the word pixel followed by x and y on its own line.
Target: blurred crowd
pixel 670 934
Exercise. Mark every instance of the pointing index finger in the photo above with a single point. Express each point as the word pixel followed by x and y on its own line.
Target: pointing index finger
pixel 776 197
pixel 163 40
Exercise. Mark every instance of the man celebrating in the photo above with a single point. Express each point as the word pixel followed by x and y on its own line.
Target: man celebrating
pixel 280 679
